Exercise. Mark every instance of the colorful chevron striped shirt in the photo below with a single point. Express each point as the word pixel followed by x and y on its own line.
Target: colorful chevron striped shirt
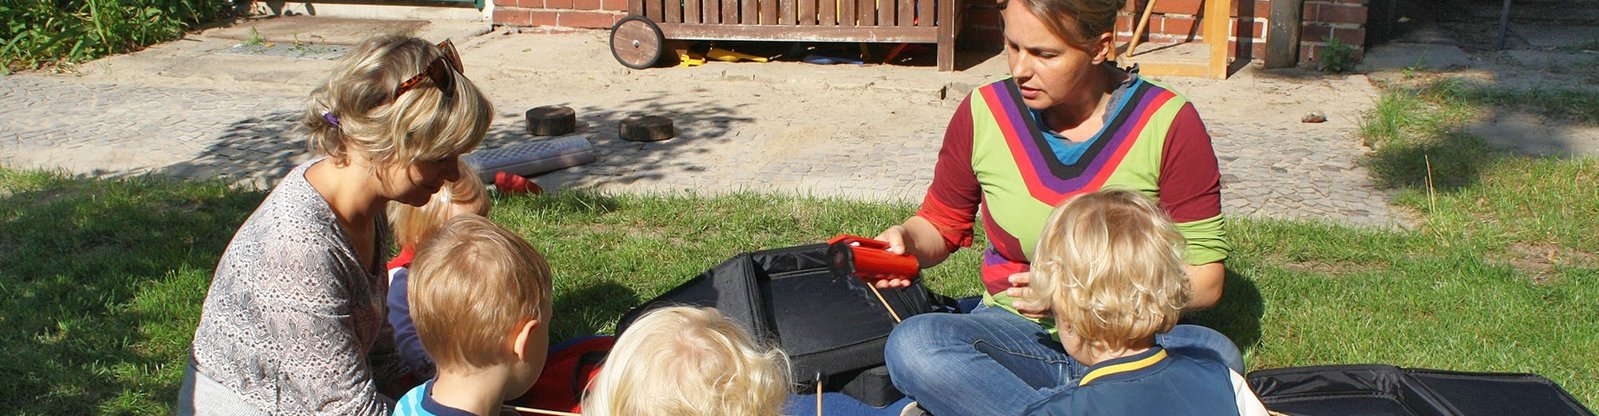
pixel 997 160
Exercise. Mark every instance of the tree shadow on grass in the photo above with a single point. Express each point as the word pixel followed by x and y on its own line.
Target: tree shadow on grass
pixel 1238 313
pixel 591 308
pixel 100 287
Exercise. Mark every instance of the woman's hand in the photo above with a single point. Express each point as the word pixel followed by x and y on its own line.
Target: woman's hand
pixel 895 237
pixel 1021 292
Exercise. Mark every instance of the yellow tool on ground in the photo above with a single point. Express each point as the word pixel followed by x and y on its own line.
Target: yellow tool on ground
pixel 687 58
pixel 731 56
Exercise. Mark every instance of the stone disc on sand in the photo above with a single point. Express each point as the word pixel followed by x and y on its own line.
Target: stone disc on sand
pixel 647 129
pixel 551 120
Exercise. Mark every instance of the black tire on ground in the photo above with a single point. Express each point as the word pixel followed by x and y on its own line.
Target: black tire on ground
pixel 647 129
pixel 551 120
pixel 637 42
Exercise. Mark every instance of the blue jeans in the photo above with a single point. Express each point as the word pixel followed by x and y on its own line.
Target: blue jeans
pixel 995 362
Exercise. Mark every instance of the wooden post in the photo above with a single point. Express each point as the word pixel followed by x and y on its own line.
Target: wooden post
pixel 1282 33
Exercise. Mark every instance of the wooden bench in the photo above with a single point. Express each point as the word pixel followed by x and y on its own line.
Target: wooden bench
pixel 870 21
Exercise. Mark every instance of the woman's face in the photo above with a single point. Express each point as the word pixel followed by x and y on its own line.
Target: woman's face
pixel 1046 67
pixel 416 183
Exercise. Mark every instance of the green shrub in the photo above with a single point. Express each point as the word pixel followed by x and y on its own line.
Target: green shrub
pixel 37 32
pixel 1336 57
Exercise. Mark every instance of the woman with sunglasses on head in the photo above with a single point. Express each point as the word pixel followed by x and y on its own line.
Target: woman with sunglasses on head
pixel 1068 122
pixel 294 320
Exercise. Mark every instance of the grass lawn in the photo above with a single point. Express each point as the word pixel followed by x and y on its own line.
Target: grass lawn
pixel 101 280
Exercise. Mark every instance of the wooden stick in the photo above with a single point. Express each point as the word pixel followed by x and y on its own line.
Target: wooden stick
pixel 1143 22
pixel 885 303
pixel 818 394
pixel 541 411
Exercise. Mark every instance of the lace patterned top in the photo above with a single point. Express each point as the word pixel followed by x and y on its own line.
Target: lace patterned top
pixel 293 323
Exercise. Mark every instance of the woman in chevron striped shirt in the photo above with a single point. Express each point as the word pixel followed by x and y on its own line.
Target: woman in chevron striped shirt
pixel 1067 122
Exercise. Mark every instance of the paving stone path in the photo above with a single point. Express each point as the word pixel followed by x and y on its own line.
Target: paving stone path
pixel 246 134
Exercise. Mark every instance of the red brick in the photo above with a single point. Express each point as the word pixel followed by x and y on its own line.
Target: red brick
pixel 512 16
pixel 1124 23
pixel 1341 13
pixel 598 20
pixel 1314 32
pixel 1257 29
pixel 510 3
pixel 1261 8
pixel 1188 7
pixel 984 17
pixel 1355 37
pixel 1173 25
pixel 529 4
pixel 586 4
pixel 614 5
pixel 557 4
pixel 545 18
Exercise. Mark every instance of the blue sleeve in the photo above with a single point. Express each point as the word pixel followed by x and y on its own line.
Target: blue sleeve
pixel 405 337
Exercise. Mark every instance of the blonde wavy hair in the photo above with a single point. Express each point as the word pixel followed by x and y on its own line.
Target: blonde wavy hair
pixel 413 224
pixel 1111 265
pixel 472 283
pixel 356 110
pixel 686 361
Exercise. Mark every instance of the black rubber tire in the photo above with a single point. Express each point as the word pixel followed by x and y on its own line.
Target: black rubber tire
pixel 642 42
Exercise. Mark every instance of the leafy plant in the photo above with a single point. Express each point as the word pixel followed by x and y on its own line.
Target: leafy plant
pixel 1336 57
pixel 255 38
pixel 40 32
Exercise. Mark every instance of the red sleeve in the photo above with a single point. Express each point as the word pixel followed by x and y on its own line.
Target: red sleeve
pixel 1190 182
pixel 951 202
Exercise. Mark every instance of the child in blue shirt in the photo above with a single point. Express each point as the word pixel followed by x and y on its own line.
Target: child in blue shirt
pixel 1110 264
pixel 480 298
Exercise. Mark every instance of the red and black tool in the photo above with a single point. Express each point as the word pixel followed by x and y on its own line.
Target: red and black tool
pixel 869 259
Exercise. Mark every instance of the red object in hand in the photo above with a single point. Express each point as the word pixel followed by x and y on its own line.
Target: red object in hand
pixel 511 183
pixel 869 259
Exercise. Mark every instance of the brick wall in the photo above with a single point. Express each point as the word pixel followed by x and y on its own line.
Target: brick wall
pixel 1176 21
pixel 565 13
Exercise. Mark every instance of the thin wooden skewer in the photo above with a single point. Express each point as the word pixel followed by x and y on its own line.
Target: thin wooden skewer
pixel 1143 22
pixel 818 394
pixel 885 303
pixel 541 411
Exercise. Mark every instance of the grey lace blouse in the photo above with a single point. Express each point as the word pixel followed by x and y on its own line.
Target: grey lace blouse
pixel 293 323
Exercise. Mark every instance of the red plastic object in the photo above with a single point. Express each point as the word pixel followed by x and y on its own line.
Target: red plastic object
pixel 511 183
pixel 869 259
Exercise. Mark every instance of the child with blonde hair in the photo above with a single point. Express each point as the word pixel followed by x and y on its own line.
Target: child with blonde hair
pixel 412 225
pixel 688 361
pixel 480 297
pixel 1110 263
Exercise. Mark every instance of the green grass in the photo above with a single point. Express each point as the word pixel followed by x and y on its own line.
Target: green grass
pixel 101 280
pixel 40 32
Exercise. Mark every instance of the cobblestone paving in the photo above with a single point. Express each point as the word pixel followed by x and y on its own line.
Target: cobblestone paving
pixel 248 136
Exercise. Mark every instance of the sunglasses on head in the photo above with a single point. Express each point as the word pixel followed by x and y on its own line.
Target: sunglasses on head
pixel 438 71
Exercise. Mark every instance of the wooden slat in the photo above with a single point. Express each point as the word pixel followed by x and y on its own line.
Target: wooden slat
pixel 730 12
pixel 711 11
pixel 635 7
pixel 827 12
pixel 785 12
pixel 807 12
pixel 800 33
pixel 925 13
pixel 906 15
pixel 768 11
pixel 867 10
pixel 1216 36
pixel 674 11
pixel 846 12
pixel 652 10
pixel 748 12
pixel 947 27
pixel 691 11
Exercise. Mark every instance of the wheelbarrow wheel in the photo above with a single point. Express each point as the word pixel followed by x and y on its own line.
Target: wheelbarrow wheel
pixel 637 42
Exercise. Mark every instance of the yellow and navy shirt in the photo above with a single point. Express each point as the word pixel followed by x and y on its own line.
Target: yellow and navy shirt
pixel 1154 382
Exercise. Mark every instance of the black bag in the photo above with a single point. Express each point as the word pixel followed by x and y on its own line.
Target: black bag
pixel 832 327
pixel 1383 390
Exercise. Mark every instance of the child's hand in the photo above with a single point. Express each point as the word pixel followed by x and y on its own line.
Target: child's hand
pixel 1021 292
